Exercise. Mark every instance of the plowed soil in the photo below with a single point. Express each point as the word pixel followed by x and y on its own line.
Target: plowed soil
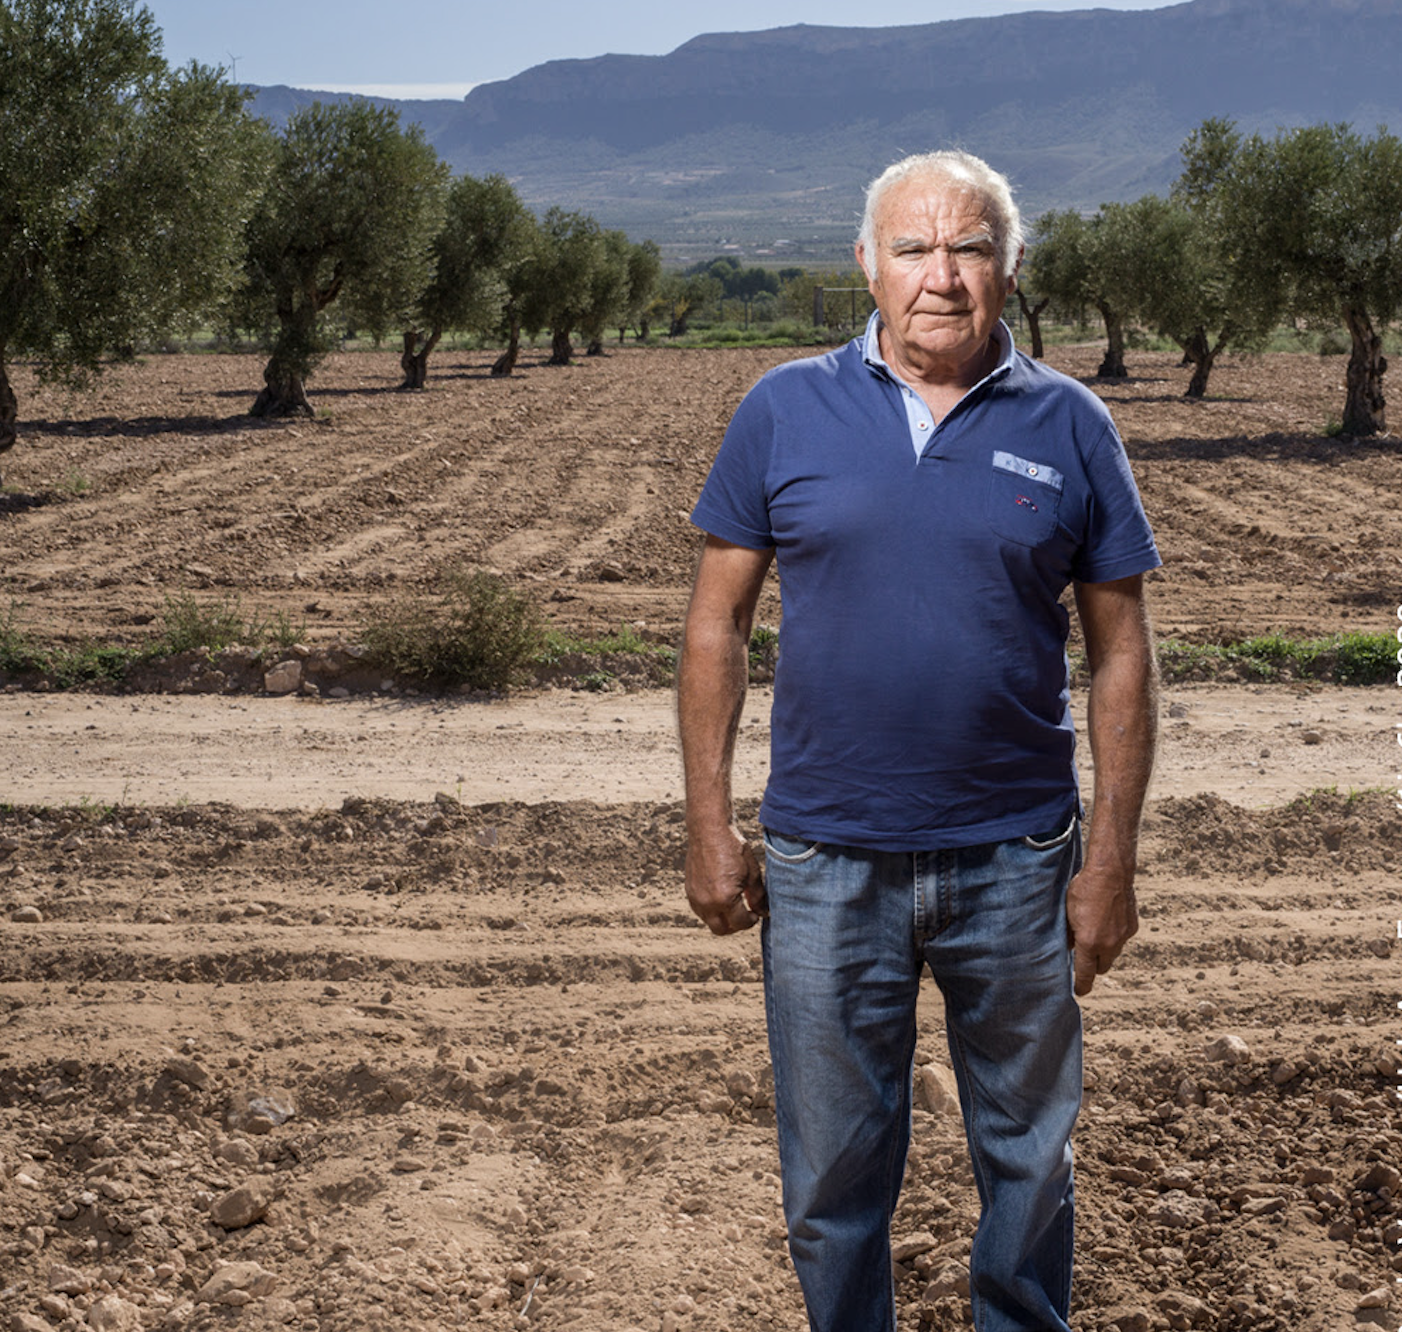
pixel 395 1003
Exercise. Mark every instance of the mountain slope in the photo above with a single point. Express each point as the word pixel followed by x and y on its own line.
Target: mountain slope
pixel 755 136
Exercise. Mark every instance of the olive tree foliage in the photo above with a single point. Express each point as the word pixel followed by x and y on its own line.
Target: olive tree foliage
pixel 622 280
pixel 486 234
pixel 352 206
pixel 124 187
pixel 1318 211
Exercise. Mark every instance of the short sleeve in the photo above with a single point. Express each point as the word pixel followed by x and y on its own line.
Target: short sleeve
pixel 1118 540
pixel 734 501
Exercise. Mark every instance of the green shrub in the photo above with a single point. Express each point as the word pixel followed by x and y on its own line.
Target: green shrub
pixel 190 624
pixel 90 663
pixel 478 633
pixel 764 649
pixel 67 667
pixel 17 653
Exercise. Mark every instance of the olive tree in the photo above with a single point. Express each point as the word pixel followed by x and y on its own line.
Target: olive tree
pixel 560 280
pixel 517 280
pixel 679 297
pixel 1193 280
pixel 351 210
pixel 124 187
pixel 1078 262
pixel 1060 263
pixel 485 233
pixel 608 290
pixel 644 273
pixel 1318 211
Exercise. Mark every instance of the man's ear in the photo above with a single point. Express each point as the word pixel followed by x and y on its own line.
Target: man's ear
pixel 1017 268
pixel 860 251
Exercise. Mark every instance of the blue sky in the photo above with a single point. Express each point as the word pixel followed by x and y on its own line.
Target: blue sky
pixel 440 48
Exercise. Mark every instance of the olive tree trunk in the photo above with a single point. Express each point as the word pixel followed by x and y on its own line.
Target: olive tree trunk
pixel 1113 366
pixel 284 393
pixel 9 408
pixel 295 353
pixel 297 350
pixel 1200 354
pixel 560 349
pixel 506 362
pixel 1365 412
pixel 414 361
pixel 1033 315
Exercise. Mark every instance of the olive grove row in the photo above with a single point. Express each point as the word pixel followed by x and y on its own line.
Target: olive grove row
pixel 137 200
pixel 1305 226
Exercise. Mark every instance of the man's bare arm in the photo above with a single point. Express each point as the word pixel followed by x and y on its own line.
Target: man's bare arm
pixel 723 880
pixel 1122 721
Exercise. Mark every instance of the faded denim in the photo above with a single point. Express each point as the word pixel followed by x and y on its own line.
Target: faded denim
pixel 848 935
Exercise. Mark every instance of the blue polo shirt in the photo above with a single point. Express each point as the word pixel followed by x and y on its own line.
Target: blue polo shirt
pixel 921 698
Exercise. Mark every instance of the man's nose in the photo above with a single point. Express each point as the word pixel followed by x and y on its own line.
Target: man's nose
pixel 941 270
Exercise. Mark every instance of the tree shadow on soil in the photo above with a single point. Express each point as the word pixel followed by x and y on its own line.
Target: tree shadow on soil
pixel 141 427
pixel 1106 388
pixel 1318 449
pixel 18 503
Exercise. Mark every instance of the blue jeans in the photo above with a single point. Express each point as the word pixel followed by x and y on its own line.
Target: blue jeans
pixel 848 934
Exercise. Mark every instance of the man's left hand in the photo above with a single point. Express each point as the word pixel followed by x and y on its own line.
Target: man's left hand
pixel 1101 917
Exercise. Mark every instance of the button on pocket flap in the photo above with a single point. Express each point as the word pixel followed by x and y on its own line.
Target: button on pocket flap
pixel 1033 471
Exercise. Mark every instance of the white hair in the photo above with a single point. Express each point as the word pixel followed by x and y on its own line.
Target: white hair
pixel 963 170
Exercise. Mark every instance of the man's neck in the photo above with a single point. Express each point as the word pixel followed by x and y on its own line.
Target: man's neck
pixel 936 374
pixel 939 386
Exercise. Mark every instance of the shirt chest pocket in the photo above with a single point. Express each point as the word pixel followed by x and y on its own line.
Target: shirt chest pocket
pixel 1023 499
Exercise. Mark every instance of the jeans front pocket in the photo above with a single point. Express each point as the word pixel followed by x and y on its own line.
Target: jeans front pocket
pixel 1050 841
pixel 789 850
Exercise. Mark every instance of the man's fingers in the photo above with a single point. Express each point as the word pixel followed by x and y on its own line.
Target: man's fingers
pixel 732 917
pixel 757 900
pixel 1085 973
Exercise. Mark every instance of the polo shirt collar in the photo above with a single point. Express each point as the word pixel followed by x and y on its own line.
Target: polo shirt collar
pixel 871 351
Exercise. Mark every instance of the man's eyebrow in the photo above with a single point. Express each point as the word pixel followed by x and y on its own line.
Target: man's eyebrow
pixel 921 243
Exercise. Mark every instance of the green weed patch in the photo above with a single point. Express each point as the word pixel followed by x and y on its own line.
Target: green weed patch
pixel 1347 659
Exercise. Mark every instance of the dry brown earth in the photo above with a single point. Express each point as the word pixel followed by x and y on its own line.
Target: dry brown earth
pixel 397 999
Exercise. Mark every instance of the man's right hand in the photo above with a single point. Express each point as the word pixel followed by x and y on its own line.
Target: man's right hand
pixel 724 882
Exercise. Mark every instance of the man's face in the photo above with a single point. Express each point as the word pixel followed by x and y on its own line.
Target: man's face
pixel 935 275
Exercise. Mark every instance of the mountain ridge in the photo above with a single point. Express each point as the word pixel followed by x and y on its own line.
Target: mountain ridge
pixel 765 139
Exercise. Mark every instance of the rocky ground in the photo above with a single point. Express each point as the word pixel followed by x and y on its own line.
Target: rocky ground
pixel 389 1012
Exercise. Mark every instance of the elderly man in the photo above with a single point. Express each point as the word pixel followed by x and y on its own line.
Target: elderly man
pixel 929 493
